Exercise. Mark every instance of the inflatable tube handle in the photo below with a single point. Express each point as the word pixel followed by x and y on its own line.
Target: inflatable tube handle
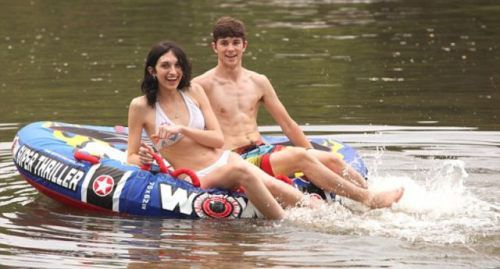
pixel 84 156
pixel 194 178
pixel 146 167
pixel 159 161
pixel 164 169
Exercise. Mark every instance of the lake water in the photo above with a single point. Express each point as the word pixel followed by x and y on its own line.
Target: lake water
pixel 412 85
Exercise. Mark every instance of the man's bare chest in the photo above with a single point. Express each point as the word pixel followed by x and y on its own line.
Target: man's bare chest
pixel 234 98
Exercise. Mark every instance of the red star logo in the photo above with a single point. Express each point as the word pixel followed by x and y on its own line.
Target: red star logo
pixel 103 185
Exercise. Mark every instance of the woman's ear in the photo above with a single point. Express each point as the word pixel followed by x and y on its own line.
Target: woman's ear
pixel 151 71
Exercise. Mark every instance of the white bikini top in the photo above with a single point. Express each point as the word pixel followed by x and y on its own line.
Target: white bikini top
pixel 196 120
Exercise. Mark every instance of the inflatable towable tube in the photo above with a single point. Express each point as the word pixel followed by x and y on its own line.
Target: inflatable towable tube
pixel 84 166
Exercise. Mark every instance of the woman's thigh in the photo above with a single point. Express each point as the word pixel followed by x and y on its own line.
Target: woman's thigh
pixel 225 176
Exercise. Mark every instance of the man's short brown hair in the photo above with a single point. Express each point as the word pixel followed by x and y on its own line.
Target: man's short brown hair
pixel 228 27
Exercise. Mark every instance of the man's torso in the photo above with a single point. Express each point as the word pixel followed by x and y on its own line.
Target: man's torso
pixel 236 104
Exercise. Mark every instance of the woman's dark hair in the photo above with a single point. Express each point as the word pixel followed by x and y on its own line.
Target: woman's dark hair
pixel 149 85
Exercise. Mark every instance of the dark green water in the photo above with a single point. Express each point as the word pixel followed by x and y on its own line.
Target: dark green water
pixel 399 62
pixel 413 85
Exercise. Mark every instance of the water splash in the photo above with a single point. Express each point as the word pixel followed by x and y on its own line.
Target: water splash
pixel 443 194
pixel 440 210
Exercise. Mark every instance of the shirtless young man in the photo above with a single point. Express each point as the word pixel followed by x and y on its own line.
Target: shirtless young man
pixel 235 94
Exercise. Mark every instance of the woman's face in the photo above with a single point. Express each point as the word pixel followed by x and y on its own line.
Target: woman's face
pixel 168 71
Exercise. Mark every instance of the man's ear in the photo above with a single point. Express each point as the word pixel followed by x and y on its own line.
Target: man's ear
pixel 214 47
pixel 245 44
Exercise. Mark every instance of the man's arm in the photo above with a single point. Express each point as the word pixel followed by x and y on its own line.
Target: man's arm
pixel 279 113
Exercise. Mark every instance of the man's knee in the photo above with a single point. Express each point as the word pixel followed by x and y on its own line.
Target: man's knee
pixel 334 160
pixel 301 156
pixel 292 159
pixel 331 160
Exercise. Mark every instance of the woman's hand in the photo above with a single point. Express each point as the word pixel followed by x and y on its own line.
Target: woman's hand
pixel 167 131
pixel 145 155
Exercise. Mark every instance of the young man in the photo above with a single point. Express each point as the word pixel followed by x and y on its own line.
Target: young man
pixel 235 94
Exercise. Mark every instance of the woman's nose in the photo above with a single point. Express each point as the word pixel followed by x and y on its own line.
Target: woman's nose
pixel 172 69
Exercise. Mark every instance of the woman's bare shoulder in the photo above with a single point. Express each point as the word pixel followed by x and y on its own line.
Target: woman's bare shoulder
pixel 139 103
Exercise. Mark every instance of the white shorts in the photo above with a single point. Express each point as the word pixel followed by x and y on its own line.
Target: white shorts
pixel 220 162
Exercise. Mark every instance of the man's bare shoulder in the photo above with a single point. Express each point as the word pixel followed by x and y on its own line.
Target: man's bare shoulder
pixel 205 79
pixel 256 77
pixel 195 88
pixel 260 80
pixel 252 72
pixel 195 91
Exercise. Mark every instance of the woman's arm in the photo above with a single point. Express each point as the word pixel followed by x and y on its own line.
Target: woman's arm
pixel 212 135
pixel 136 120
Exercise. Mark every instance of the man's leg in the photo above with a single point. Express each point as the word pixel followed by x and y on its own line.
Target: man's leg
pixel 283 192
pixel 339 167
pixel 292 159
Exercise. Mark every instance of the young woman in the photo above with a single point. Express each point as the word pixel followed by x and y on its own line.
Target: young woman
pixel 179 120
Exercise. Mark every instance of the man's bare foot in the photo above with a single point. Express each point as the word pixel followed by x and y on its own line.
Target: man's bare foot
pixel 385 198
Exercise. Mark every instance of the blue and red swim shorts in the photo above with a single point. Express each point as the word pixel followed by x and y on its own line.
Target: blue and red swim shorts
pixel 258 154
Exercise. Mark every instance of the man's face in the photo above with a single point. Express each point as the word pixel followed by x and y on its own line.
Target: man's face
pixel 230 50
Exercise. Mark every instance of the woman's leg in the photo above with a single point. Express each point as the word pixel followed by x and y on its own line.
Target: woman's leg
pixel 237 173
pixel 294 159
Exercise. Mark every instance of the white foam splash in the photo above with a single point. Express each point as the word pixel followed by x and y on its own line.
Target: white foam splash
pixel 439 210
pixel 443 193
